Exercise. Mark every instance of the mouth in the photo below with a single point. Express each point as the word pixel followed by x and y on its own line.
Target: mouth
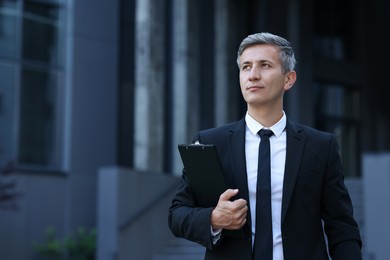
pixel 254 87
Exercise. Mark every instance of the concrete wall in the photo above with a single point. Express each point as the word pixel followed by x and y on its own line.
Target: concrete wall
pixel 88 87
pixel 376 184
pixel 92 77
pixel 41 205
pixel 133 213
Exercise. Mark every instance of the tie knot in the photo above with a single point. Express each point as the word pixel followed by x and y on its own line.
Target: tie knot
pixel 265 133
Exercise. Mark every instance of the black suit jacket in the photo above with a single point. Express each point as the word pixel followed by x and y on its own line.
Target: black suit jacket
pixel 315 198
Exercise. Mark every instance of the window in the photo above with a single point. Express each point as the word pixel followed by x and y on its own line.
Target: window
pixel 338 112
pixel 37 138
pixel 337 53
pixel 8 29
pixel 40 19
pixel 30 66
pixel 7 118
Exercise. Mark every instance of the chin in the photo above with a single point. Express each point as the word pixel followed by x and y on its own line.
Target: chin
pixel 254 101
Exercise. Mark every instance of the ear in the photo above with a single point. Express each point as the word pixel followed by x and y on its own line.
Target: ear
pixel 291 77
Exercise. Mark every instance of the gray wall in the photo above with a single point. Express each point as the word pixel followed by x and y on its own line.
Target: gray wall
pixel 67 199
pixel 376 188
pixel 42 204
pixel 91 108
pixel 133 213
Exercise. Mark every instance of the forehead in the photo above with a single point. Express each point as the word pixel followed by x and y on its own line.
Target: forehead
pixel 260 52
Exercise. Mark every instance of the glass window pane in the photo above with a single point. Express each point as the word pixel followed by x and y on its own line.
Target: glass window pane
pixel 347 136
pixel 37 137
pixel 329 47
pixel 338 112
pixel 45 1
pixel 8 3
pixel 7 113
pixel 40 33
pixel 340 102
pixel 42 10
pixel 8 31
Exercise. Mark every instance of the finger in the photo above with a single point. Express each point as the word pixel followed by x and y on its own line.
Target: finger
pixel 240 214
pixel 238 224
pixel 240 220
pixel 244 212
pixel 229 193
pixel 242 223
pixel 240 203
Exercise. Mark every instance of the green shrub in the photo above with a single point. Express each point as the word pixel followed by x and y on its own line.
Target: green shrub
pixel 78 245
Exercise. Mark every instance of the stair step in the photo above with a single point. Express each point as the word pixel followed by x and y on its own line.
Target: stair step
pixel 181 249
pixel 179 257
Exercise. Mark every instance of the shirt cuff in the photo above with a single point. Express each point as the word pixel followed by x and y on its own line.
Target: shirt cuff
pixel 215 234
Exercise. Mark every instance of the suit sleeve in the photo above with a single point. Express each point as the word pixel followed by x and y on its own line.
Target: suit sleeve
pixel 188 221
pixel 340 227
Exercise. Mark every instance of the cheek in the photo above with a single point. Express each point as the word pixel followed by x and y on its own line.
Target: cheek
pixel 242 90
pixel 242 81
pixel 278 83
pixel 241 76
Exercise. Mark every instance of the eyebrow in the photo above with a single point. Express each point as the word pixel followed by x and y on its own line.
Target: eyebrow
pixel 257 61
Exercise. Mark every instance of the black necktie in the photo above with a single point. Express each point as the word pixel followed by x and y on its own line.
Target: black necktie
pixel 263 245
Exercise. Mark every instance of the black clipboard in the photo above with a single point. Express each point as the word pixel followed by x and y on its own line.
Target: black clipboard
pixel 205 175
pixel 204 172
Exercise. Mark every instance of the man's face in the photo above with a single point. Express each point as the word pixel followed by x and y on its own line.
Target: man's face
pixel 261 79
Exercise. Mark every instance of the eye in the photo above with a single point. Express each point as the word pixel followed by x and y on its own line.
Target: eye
pixel 265 66
pixel 245 67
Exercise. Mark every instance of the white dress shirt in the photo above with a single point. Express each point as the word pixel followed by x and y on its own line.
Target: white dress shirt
pixel 278 158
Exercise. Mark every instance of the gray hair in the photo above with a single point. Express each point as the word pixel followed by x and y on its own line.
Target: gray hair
pixel 286 54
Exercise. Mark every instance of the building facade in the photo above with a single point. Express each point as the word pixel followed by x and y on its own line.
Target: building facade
pixel 91 84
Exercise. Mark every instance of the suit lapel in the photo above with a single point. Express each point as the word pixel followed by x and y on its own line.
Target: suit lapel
pixel 294 150
pixel 236 145
pixel 236 148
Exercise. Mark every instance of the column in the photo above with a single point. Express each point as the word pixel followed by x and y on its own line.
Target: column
pixel 221 63
pixel 149 85
pixel 179 79
pixel 185 76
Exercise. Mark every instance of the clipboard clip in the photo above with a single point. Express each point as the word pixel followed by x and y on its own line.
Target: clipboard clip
pixel 196 143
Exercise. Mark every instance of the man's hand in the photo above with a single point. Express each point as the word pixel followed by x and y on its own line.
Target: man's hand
pixel 229 214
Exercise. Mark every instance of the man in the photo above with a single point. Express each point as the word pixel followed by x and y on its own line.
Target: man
pixel 307 196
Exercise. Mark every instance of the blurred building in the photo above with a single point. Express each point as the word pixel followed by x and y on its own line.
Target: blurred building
pixel 93 90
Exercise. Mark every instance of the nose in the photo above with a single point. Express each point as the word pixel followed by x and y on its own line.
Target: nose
pixel 254 74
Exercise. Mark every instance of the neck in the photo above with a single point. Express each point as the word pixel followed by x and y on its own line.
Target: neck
pixel 266 117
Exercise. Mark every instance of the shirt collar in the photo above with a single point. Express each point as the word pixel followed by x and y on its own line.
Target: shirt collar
pixel 255 126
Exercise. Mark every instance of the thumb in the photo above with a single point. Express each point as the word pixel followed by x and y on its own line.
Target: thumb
pixel 228 194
